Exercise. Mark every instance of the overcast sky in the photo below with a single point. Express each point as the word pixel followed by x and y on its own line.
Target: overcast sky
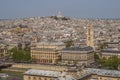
pixel 73 8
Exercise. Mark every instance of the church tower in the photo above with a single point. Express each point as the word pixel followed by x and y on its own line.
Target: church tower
pixel 90 36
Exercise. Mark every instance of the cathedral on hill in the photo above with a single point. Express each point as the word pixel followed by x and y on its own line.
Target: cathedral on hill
pixel 59 15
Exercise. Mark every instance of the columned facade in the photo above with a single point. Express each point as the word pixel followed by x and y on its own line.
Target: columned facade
pixel 46 53
pixel 78 55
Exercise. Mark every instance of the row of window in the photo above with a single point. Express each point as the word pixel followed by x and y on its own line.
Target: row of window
pixel 40 52
pixel 74 57
pixel 38 78
pixel 44 56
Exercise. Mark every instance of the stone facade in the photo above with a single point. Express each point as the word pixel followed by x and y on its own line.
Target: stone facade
pixel 101 74
pixel 78 55
pixel 46 53
pixel 41 67
pixel 90 36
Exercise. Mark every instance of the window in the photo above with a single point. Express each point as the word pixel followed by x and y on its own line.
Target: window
pixel 39 79
pixel 45 79
pixel 29 78
pixel 34 78
pixel 100 78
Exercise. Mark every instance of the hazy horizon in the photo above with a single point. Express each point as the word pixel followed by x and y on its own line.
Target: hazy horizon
pixel 13 9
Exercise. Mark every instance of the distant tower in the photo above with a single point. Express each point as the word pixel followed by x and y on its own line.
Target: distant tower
pixel 59 15
pixel 90 36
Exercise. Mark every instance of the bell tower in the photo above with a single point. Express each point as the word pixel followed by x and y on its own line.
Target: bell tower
pixel 90 36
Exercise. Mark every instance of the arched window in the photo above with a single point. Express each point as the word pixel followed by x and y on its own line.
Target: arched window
pixel 29 77
pixel 45 79
pixel 34 78
pixel 39 79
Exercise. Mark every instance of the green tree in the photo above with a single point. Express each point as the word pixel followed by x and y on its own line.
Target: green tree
pixel 96 56
pixel 102 61
pixel 26 56
pixel 110 63
pixel 69 43
pixel 104 45
pixel 20 55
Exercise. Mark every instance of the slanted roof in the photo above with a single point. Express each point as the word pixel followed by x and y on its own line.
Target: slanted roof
pixel 112 42
pixel 104 72
pixel 110 51
pixel 43 49
pixel 56 74
pixel 78 49
pixel 46 73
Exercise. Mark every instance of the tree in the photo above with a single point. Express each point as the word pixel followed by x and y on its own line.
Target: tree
pixel 102 61
pixel 110 63
pixel 104 45
pixel 20 55
pixel 96 56
pixel 69 43
pixel 114 62
pixel 26 56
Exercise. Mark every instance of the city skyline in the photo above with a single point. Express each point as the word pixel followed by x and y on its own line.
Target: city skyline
pixel 72 8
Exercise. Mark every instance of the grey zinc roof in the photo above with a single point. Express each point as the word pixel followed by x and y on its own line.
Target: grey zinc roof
pixel 43 73
pixel 112 42
pixel 43 49
pixel 51 43
pixel 111 51
pixel 104 72
pixel 78 48
pixel 56 74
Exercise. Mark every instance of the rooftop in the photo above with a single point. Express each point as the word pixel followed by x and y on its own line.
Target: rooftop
pixel 111 51
pixel 51 43
pixel 56 74
pixel 43 49
pixel 103 72
pixel 112 42
pixel 43 73
pixel 78 48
